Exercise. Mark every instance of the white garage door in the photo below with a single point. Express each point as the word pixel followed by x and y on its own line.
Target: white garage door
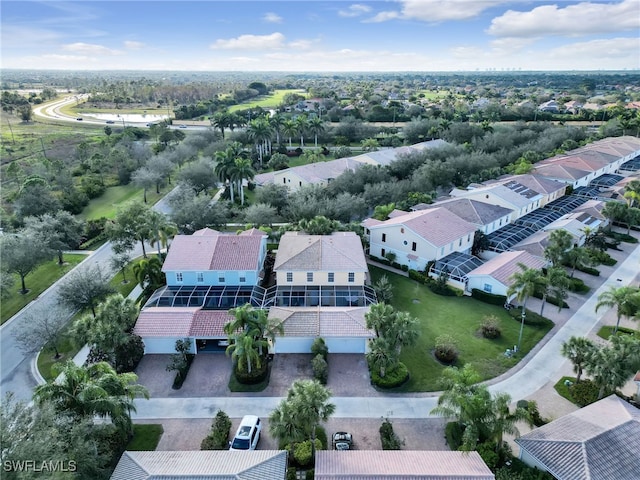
pixel 346 345
pixel 159 345
pixel 293 344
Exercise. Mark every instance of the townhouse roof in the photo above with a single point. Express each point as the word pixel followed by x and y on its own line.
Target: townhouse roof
pixel 534 244
pixel 537 183
pixel 503 266
pixel 213 251
pixel 201 465
pixel 593 208
pixel 206 232
pixel 389 155
pixel 437 226
pixel 341 251
pixel 473 211
pixel 511 192
pixel 600 441
pixel 181 322
pixel 322 321
pixel 322 171
pixel 559 171
pixel 575 222
pixel 400 465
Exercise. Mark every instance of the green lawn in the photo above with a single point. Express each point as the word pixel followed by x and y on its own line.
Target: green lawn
pixel 145 437
pixel 563 390
pixel 67 348
pixel 607 331
pixel 459 317
pixel 37 282
pixel 267 101
pixel 106 204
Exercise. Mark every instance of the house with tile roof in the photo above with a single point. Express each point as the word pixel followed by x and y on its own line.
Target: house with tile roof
pixel 598 442
pixel 400 465
pixel 548 188
pixel 419 237
pixel 202 465
pixel 210 258
pixel 495 276
pixel 486 217
pixel 577 223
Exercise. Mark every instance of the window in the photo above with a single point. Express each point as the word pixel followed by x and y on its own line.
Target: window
pixel 330 277
pixel 243 277
pixel 300 183
pixel 383 252
pixel 460 242
pixel 487 288
pixel 352 277
pixel 402 230
pixel 220 277
pixel 284 180
pixel 200 277
pixel 289 276
pixel 309 276
pixel 405 243
pixel 414 246
pixel 178 276
pixel 384 237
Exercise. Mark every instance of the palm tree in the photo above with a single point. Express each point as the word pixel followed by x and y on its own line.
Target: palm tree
pixel 626 300
pixel 244 350
pixel 578 350
pixel 260 132
pixel 403 332
pixel 524 284
pixel 316 126
pixel 225 162
pixel 302 124
pixel 290 129
pixel 284 425
pixel 277 122
pixel 161 230
pixel 502 420
pixel 632 192
pixel 615 212
pixel 559 242
pixel 554 284
pixel 577 257
pixel 148 273
pixel 221 120
pixel 378 318
pixel 381 356
pixel 632 218
pixel 241 171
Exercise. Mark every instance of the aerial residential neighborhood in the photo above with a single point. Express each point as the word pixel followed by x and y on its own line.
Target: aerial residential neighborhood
pixel 295 240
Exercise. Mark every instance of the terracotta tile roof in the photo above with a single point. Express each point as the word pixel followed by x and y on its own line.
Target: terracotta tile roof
pixel 534 244
pixel 322 171
pixel 213 251
pixel 473 211
pixel 322 321
pixel 400 465
pixel 341 251
pixel 600 441
pixel 438 226
pixel 556 170
pixel 537 183
pixel 206 232
pixel 509 195
pixel 254 231
pixel 181 322
pixel 503 266
pixel 202 465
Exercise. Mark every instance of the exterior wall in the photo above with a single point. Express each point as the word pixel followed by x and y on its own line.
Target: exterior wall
pixel 293 344
pixel 531 461
pixel 496 224
pixel 212 278
pixel 346 345
pixel 291 180
pixel 480 281
pixel 321 278
pixel 163 345
pixel 551 197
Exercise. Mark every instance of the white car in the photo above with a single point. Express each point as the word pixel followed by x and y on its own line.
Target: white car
pixel 248 434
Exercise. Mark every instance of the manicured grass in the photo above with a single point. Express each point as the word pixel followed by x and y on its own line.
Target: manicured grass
pixel 267 101
pixel 145 437
pixel 106 204
pixel 37 282
pixel 563 390
pixel 607 331
pixel 67 348
pixel 459 317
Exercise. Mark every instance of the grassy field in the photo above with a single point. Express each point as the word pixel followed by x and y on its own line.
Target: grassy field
pixel 145 437
pixel 106 204
pixel 67 349
pixel 267 101
pixel 607 331
pixel 37 282
pixel 459 317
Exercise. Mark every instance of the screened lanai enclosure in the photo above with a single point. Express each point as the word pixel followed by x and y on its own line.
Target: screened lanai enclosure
pixel 455 266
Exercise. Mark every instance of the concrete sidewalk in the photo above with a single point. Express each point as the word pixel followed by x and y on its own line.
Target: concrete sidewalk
pixel 533 373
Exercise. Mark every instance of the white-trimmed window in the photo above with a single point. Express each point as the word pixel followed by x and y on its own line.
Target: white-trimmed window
pixel 289 276
pixel 487 287
pixel 309 276
pixel 352 277
pixel 200 277
pixel 331 277
pixel 243 277
pixel 220 277
pixel 179 277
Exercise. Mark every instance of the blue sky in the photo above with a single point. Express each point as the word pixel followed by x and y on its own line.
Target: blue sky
pixel 326 36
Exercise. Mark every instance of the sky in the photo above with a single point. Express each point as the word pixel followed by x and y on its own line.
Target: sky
pixel 321 36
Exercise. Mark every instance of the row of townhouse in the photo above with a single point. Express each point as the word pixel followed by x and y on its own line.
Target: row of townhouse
pixel 517 213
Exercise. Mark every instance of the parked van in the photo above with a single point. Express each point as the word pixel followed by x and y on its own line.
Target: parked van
pixel 248 434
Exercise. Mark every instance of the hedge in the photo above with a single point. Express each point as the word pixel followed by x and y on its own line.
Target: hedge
pixel 181 375
pixel 551 300
pixel 388 438
pixel 490 298
pixel 578 286
pixel 257 375
pixel 218 439
pixel 392 379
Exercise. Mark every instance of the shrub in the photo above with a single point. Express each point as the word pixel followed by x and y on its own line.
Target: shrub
pixel 534 413
pixel 129 354
pixel 405 268
pixel 446 349
pixel 490 327
pixel 257 375
pixel 310 475
pixel 440 289
pixel 320 369
pixel 584 393
pixel 551 300
pixel 319 347
pixel 487 451
pixel 302 452
pixel 291 473
pixel 393 378
pixel 388 438
pixel 417 276
pixel 490 298
pixel 321 434
pixel 453 432
pixel 577 285
pixel 601 258
pixel 218 439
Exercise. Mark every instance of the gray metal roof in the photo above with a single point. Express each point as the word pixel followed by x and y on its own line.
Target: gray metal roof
pixel 598 442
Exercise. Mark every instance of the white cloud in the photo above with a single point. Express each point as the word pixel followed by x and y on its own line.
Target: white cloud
pixel 132 45
pixel 90 49
pixel 603 49
pixel 436 11
pixel 355 10
pixel 25 36
pixel 245 42
pixel 271 17
pixel 579 19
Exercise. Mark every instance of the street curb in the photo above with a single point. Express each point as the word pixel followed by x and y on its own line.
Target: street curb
pixel 34 369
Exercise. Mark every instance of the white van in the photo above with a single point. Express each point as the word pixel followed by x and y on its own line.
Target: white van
pixel 248 434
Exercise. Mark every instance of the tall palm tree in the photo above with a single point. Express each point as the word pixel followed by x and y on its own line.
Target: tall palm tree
pixel 381 357
pixel 302 124
pixel 626 301
pixel 260 132
pixel 577 257
pixel 290 129
pixel 245 350
pixel 316 126
pixel 554 284
pixel 559 242
pixel 285 426
pixel 578 350
pixel 241 171
pixel 277 123
pixel 148 273
pixel 161 230
pixel 502 420
pixel 615 212
pixel 632 193
pixel 225 163
pixel 221 119
pixel 523 285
